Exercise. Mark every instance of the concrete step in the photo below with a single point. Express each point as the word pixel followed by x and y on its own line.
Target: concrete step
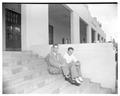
pixel 16 53
pixel 95 88
pixel 21 78
pixel 106 90
pixel 52 87
pixel 21 70
pixel 26 86
pixel 59 85
pixel 15 56
pixel 18 71
pixel 72 89
pixel 12 62
pixel 87 87
pixel 30 86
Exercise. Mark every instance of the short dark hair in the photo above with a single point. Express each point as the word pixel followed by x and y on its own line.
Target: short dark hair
pixel 70 48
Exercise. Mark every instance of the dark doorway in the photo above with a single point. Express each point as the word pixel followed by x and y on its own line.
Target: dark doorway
pixel 13 30
pixel 83 31
pixel 51 34
pixel 93 36
pixel 102 39
pixel 98 37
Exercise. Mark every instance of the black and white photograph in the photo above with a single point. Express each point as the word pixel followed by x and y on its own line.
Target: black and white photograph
pixel 59 48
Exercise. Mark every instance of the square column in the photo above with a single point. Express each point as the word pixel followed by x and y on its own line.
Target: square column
pixel 34 25
pixel 89 33
pixel 75 27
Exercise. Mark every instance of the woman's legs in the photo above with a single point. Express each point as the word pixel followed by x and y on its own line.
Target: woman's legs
pixel 76 72
pixel 73 70
pixel 78 68
pixel 66 71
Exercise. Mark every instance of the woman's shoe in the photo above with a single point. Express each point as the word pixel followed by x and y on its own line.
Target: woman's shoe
pixel 67 79
pixel 77 80
pixel 80 79
pixel 71 80
pixel 76 83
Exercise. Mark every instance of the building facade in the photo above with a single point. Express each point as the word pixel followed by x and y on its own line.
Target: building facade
pixel 28 25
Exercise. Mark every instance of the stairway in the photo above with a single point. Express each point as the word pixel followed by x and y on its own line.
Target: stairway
pixel 25 72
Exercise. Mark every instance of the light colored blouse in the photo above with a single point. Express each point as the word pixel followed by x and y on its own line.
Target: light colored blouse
pixel 69 58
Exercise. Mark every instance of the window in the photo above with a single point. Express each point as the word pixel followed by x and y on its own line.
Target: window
pixel 51 34
pixel 13 30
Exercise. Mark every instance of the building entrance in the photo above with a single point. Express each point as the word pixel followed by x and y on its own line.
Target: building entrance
pixel 12 27
pixel 59 24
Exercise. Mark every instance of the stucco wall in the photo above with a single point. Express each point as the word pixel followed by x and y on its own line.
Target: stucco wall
pixel 97 61
pixel 34 25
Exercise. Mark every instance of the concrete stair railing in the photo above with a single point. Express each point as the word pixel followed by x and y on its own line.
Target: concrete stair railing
pixel 25 72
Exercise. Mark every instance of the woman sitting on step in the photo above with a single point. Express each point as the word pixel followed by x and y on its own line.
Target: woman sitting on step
pixel 72 68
